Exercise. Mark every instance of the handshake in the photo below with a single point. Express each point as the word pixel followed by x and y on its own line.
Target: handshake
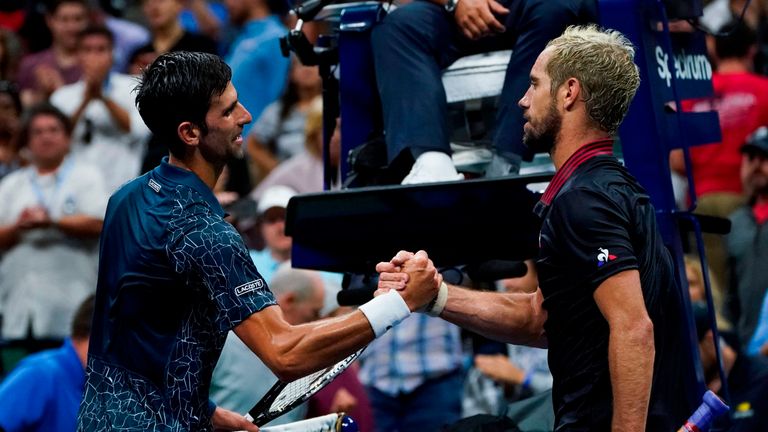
pixel 415 278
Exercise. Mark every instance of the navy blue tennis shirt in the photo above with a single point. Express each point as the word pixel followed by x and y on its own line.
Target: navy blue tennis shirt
pixel 174 277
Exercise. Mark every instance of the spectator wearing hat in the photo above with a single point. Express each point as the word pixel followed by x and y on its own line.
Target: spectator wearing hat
pixel 271 218
pixel 747 243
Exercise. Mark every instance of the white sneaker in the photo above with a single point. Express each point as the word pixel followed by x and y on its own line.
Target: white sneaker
pixel 431 167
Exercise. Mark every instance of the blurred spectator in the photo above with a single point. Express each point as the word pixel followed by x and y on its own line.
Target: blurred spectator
pixel 43 393
pixel 10 111
pixel 259 70
pixel 698 292
pixel 413 375
pixel 204 17
pixel 741 100
pixel 108 131
pixel 128 36
pixel 240 378
pixel 50 221
pixel 499 379
pixel 747 380
pixel 304 171
pixel 747 244
pixel 139 60
pixel 278 133
pixel 271 214
pixel 40 74
pixel 167 34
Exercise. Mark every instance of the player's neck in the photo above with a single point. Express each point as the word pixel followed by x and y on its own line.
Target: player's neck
pixel 208 173
pixel 568 142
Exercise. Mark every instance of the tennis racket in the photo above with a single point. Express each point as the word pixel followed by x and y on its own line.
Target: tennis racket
pixel 327 423
pixel 285 396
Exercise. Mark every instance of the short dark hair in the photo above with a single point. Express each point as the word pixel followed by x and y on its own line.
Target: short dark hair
pixel 97 30
pixel 735 40
pixel 177 87
pixel 51 6
pixel 42 109
pixel 81 322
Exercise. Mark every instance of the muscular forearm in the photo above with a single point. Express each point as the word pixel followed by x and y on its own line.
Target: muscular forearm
pixel 80 225
pixel 630 357
pixel 295 351
pixel 508 317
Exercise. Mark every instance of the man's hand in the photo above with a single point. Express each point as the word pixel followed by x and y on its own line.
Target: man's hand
pixel 476 17
pixel 391 275
pixel 414 275
pixel 498 368
pixel 93 90
pixel 48 79
pixel 33 217
pixel 225 420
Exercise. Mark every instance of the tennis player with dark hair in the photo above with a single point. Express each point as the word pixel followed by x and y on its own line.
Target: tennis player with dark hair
pixel 174 277
pixel 607 282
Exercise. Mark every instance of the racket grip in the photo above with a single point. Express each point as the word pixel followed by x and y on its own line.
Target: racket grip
pixel 711 408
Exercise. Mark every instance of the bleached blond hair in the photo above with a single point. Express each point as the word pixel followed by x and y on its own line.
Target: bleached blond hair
pixel 603 63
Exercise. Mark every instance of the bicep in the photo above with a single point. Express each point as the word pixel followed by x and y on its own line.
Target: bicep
pixel 620 299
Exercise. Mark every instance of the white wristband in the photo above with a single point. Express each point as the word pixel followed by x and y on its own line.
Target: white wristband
pixel 435 308
pixel 385 311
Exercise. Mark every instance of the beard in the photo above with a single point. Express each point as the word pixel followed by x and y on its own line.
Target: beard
pixel 542 139
pixel 218 150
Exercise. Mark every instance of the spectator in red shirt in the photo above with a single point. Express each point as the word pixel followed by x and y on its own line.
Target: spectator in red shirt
pixel 741 100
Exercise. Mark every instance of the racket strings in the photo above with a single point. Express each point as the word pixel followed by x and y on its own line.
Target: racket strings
pixel 297 389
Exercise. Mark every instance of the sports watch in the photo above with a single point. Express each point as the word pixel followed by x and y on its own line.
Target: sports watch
pixel 450 5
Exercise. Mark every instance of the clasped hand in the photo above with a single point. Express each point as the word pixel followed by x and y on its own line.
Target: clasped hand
pixel 413 275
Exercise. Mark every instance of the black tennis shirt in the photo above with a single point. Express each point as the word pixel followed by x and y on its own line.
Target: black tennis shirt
pixel 597 221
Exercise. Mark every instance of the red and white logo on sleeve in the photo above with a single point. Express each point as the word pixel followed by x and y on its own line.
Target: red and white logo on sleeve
pixel 604 256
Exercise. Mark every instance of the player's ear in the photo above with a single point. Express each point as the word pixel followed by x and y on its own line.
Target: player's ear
pixel 189 133
pixel 571 91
